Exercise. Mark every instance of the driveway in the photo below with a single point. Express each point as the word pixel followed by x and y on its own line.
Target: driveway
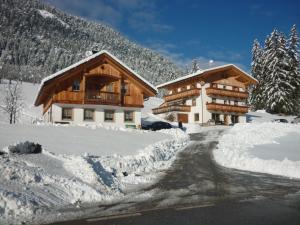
pixel 196 189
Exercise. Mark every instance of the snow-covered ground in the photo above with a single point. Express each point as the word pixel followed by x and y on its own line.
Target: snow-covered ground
pixel 265 147
pixel 76 140
pixel 261 116
pixel 30 184
pixel 78 164
pixel 30 113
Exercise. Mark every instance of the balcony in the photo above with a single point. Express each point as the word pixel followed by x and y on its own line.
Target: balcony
pixel 105 98
pixel 183 94
pixel 172 108
pixel 227 93
pixel 226 108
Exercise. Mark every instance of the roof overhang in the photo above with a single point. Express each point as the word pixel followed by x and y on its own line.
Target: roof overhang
pixel 201 74
pixel 63 72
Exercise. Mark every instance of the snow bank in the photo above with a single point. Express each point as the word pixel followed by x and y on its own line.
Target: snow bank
pixel 33 185
pixel 238 148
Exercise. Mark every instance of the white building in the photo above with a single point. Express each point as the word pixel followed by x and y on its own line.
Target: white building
pixel 213 95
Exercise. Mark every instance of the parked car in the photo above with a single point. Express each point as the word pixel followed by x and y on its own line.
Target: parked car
pixel 280 120
pixel 296 120
pixel 159 125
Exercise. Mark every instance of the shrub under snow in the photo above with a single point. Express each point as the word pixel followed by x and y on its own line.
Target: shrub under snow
pixel 25 148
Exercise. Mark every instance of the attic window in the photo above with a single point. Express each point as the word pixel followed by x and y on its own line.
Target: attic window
pixel 76 85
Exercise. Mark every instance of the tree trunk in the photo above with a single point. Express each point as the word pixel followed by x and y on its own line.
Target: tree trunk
pixel 10 118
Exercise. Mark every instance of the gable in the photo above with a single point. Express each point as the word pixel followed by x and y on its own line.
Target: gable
pixel 100 64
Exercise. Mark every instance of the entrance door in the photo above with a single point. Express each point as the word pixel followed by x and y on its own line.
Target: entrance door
pixel 182 118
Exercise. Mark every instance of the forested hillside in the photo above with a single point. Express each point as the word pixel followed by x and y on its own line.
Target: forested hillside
pixel 37 39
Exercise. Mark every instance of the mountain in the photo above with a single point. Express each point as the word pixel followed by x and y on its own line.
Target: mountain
pixel 37 40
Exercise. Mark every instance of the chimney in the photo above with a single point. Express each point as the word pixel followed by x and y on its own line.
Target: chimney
pixel 95 49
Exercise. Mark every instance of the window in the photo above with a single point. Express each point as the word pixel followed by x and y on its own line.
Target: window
pixel 126 89
pixel 235 102
pixel 225 102
pixel 214 85
pixel 88 114
pixel 128 116
pixel 110 87
pixel 109 115
pixel 193 102
pixel 76 85
pixel 224 87
pixel 67 114
pixel 196 116
pixel 213 100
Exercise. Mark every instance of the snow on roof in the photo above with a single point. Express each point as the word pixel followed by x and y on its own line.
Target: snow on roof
pixel 88 59
pixel 200 72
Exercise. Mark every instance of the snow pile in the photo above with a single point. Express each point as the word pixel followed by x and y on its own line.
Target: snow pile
pixel 33 185
pixel 238 148
pixel 261 116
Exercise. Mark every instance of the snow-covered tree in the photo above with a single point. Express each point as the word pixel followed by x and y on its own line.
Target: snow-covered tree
pixel 256 98
pixel 13 101
pixel 294 64
pixel 276 68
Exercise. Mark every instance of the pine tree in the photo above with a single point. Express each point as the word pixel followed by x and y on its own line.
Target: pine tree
pixel 278 88
pixel 294 63
pixel 256 71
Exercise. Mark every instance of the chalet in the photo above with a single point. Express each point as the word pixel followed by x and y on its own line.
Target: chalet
pixel 98 89
pixel 216 94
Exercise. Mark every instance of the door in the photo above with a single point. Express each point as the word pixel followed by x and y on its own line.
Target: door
pixel 182 118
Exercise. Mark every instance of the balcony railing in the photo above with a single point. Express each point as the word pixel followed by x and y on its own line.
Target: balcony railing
pixel 183 94
pixel 227 108
pixel 110 98
pixel 227 93
pixel 172 108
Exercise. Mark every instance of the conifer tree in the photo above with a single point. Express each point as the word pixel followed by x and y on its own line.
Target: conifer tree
pixel 256 70
pixel 294 63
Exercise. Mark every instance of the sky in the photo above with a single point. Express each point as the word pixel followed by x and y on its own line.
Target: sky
pixel 222 31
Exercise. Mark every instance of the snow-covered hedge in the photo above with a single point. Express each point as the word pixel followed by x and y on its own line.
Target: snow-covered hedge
pixel 25 148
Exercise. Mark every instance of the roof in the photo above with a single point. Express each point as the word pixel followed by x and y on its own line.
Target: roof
pixel 202 72
pixel 88 59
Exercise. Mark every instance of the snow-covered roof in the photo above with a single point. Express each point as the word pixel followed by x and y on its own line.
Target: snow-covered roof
pixel 88 59
pixel 201 72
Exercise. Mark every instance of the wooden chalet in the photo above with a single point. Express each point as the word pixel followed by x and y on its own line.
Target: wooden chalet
pixel 99 89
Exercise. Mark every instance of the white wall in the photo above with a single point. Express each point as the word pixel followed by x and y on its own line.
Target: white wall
pixel 78 115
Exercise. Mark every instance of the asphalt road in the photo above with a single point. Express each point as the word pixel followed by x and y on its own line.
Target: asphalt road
pixel 195 190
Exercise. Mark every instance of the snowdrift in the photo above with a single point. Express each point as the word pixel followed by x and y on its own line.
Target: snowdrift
pixel 239 148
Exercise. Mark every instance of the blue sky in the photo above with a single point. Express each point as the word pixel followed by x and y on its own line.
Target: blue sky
pixel 185 29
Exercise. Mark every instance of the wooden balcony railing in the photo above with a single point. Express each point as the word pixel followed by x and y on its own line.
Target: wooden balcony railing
pixel 183 94
pixel 171 108
pixel 69 97
pixel 227 93
pixel 227 108
pixel 109 98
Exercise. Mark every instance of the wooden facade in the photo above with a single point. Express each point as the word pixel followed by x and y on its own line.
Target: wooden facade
pixel 215 91
pixel 102 80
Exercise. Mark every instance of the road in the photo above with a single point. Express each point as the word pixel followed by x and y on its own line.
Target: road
pixel 195 190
